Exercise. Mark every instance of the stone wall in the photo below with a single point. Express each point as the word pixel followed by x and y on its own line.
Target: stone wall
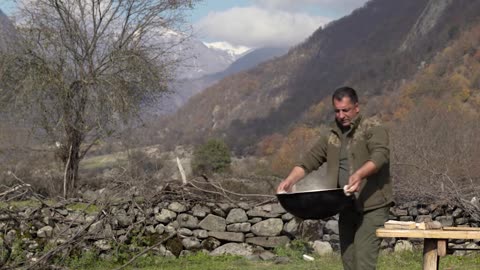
pixel 217 228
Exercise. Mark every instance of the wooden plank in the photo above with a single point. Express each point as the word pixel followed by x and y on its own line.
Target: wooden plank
pixel 442 247
pixel 461 229
pixel 436 234
pixel 395 224
pixel 430 255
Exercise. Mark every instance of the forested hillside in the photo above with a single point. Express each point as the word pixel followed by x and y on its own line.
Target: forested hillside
pixel 376 49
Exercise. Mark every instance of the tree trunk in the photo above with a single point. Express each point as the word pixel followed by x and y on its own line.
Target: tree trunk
pixel 72 164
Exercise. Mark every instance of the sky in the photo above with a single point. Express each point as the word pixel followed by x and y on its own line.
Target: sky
pixel 258 23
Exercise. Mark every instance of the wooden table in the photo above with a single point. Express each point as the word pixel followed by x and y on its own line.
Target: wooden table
pixel 435 242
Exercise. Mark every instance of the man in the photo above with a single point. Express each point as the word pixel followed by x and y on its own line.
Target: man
pixel 357 154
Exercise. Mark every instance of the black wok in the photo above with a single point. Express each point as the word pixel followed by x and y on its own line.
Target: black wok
pixel 315 204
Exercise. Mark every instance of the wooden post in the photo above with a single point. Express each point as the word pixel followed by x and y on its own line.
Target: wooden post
pixel 442 247
pixel 430 254
pixel 182 172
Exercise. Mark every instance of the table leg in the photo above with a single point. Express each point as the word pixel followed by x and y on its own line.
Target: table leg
pixel 430 254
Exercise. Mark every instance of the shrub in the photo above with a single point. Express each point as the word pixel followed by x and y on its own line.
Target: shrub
pixel 211 157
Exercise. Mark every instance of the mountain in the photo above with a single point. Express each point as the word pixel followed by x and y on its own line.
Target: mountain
pixel 375 49
pixel 182 90
pixel 200 59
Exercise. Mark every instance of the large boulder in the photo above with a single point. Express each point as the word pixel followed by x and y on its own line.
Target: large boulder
pixel 269 227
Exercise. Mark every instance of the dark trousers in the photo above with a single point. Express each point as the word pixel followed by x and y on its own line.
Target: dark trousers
pixel 358 242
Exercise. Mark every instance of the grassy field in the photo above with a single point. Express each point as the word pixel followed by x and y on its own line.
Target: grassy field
pixel 394 261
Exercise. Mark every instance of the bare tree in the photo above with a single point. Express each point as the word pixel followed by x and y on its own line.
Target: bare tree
pixel 435 156
pixel 86 66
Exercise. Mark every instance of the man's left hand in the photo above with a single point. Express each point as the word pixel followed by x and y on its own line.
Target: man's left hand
pixel 354 183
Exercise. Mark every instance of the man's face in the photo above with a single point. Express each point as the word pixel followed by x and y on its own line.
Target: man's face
pixel 345 111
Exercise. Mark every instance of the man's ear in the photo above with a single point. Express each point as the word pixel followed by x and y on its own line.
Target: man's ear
pixel 357 108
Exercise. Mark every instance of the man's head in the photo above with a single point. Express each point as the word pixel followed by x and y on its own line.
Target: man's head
pixel 345 105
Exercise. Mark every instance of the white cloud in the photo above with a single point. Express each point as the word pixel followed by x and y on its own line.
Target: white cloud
pixel 342 6
pixel 259 27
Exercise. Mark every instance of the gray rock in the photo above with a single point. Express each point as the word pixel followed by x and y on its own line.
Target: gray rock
pixel 191 243
pixel 457 213
pixel 62 212
pixel 45 232
pixel 236 215
pixel 445 220
pixel 334 238
pixel 150 229
pixel 228 236
pixel 406 218
pixel 124 220
pixel 238 249
pixel 200 211
pixel 201 234
pixel 163 251
pixel 10 237
pixel 287 217
pixel 273 208
pixel 267 255
pixel 423 211
pixel 291 227
pixel 255 220
pixel 461 221
pixel 399 212
pixel 177 207
pixel 103 245
pixel 413 211
pixel 219 212
pixel 260 213
pixel 213 223
pixel 322 248
pixel 269 227
pixel 311 230
pixel 170 229
pixel 96 228
pixel 174 224
pixel 423 218
pixel 160 228
pixel 403 245
pixel 239 227
pixel 387 243
pixel 244 205
pixel 437 212
pixel 184 232
pixel 331 227
pixel 185 253
pixel 165 216
pixel 268 242
pixel 210 243
pixel 225 206
pixel 281 260
pixel 187 221
pixel 75 217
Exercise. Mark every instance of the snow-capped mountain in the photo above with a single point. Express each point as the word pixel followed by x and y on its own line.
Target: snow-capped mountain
pixel 234 51
pixel 199 59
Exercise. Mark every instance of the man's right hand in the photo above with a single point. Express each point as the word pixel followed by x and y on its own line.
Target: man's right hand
pixel 285 186
pixel 295 175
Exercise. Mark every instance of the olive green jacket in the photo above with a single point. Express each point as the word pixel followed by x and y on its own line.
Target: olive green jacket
pixel 366 140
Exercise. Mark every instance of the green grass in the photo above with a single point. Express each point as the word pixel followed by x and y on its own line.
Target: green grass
pixel 83 207
pixel 104 161
pixel 200 261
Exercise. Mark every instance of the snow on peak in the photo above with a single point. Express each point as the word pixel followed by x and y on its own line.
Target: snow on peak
pixel 233 50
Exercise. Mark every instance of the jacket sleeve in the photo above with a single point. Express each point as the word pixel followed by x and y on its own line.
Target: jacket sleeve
pixel 378 145
pixel 315 157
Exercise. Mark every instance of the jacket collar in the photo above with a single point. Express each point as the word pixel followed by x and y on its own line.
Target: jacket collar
pixel 355 122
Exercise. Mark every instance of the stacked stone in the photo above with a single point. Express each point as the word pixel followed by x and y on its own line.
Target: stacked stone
pixel 447 215
pixel 216 228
